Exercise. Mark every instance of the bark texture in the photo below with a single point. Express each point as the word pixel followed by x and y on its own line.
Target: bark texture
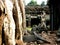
pixel 14 20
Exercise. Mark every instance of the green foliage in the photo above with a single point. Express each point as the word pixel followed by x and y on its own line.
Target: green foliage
pixel 28 28
pixel 32 3
pixel 43 3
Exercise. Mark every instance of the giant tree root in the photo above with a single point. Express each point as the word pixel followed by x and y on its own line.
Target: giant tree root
pixel 19 42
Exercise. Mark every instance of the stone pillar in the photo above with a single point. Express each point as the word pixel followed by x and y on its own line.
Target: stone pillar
pixel 29 21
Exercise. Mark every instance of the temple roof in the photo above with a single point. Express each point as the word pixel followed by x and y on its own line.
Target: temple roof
pixel 36 9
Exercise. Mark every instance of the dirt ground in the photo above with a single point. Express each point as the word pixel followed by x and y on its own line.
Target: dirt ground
pixel 51 37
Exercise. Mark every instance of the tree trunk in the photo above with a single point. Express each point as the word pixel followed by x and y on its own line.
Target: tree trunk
pixel 22 7
pixel 1 19
pixel 9 24
pixel 1 25
pixel 19 19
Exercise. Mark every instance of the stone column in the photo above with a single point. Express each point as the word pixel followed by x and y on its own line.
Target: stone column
pixel 29 21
